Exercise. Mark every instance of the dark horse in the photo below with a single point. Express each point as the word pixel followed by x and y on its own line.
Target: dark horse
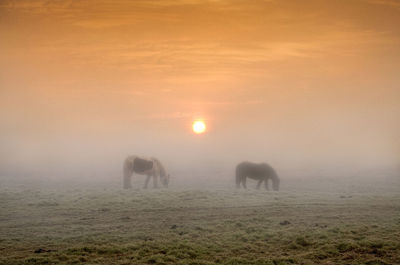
pixel 261 172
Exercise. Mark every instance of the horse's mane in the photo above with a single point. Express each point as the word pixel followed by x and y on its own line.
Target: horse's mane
pixel 163 173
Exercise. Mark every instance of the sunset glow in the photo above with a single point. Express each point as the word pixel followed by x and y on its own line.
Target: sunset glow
pixel 199 127
pixel 200 131
pixel 316 82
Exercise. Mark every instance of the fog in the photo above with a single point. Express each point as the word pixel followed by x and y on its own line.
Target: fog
pixel 299 162
pixel 313 93
pixel 322 147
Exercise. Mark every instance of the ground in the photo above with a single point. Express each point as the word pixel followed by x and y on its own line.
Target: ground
pixel 203 226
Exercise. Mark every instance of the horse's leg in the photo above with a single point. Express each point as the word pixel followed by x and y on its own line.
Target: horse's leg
pixel 266 184
pixel 146 183
pixel 155 181
pixel 259 183
pixel 244 182
pixel 127 182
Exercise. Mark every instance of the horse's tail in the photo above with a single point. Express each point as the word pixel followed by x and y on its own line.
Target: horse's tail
pixel 238 175
pixel 128 170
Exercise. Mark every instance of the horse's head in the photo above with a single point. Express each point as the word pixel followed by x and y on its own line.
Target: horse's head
pixel 165 180
pixel 275 183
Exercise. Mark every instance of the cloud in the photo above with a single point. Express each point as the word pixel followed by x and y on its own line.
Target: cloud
pixel 190 114
pixel 389 3
pixel 230 103
pixel 171 58
pixel 165 116
pixel 190 41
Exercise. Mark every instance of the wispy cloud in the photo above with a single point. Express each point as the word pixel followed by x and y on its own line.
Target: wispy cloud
pixel 390 3
pixel 227 103
pixel 165 116
pixel 191 40
pixel 190 114
pixel 186 58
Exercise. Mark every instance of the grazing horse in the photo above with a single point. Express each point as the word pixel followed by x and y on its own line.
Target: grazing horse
pixel 151 167
pixel 261 172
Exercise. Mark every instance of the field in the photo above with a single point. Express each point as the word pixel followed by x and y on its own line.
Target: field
pixel 344 223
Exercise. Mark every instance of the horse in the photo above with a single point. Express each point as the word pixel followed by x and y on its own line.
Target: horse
pixel 261 172
pixel 151 167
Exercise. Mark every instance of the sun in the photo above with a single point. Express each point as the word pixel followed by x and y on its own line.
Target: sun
pixel 199 127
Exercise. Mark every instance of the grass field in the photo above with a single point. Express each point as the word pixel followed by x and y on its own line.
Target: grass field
pixel 204 226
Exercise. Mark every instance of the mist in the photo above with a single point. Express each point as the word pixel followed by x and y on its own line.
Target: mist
pixel 323 145
pixel 296 159
pixel 310 88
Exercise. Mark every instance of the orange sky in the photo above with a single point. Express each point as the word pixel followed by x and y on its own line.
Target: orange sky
pixel 305 81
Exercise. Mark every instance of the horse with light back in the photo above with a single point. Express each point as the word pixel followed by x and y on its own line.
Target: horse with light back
pixel 150 167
